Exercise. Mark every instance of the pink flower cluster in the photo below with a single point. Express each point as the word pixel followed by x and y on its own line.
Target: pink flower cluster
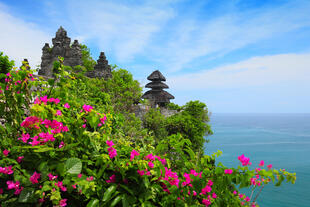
pixel 34 178
pixel 87 108
pixel 133 154
pixel 112 151
pixel 152 157
pixel 244 160
pixel 43 137
pixel 31 122
pixel 60 185
pixel 171 177
pixel 12 185
pixel 6 170
pixel 112 179
pixel 228 171
pixel 45 100
pixel 188 178
pixel 143 172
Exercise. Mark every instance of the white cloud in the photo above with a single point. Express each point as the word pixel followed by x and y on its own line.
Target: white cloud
pixel 20 39
pixel 217 36
pixel 256 71
pixel 124 29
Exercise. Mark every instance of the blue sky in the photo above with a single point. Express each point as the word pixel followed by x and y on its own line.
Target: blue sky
pixel 236 56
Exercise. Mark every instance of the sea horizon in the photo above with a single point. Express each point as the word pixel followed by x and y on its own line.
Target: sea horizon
pixel 280 139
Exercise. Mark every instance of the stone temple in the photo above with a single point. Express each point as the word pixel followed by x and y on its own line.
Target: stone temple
pixel 157 96
pixel 72 55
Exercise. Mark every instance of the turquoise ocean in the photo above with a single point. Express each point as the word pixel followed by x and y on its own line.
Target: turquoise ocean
pixel 282 140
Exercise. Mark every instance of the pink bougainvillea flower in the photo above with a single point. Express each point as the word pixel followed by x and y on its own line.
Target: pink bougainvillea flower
pixel 79 175
pixel 269 166
pixel 61 186
pixel 235 192
pixel 206 202
pixel 19 159
pixel 63 202
pixel 34 178
pixel 66 105
pixel 61 144
pixel 6 170
pixel 247 199
pixel 52 177
pixel 150 157
pixel 151 165
pixel 194 193
pixel 112 152
pixel 87 108
pixel 12 185
pixel 261 163
pixel 110 143
pixel 244 160
pixel 228 171
pixel 206 190
pixel 133 154
pixel 31 122
pixel 6 152
pixel 103 119
pixel 84 125
pixel 90 178
pixel 112 179
pixel 140 172
pixel 58 113
pixel 214 195
pixel 74 186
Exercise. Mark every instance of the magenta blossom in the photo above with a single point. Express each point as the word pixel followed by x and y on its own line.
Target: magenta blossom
pixel 63 202
pixel 66 105
pixel 261 163
pixel 34 178
pixel 112 152
pixel 110 143
pixel 19 159
pixel 133 154
pixel 112 179
pixel 58 113
pixel 87 108
pixel 6 152
pixel 151 165
pixel 52 177
pixel 228 171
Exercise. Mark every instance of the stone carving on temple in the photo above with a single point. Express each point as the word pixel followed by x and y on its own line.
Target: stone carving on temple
pixel 72 56
pixel 102 69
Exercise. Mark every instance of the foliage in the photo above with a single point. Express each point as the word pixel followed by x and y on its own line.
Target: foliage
pixel 5 64
pixel 63 151
pixel 123 89
pixel 88 61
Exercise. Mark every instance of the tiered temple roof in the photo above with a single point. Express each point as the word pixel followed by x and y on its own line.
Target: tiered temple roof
pixel 157 96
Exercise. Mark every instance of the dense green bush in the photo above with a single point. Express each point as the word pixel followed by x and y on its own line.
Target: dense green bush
pixel 62 146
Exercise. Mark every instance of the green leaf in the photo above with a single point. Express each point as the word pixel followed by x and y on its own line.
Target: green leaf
pixel 108 193
pixel 93 203
pixel 27 196
pixel 127 189
pixel 125 202
pixel 73 166
pixel 116 200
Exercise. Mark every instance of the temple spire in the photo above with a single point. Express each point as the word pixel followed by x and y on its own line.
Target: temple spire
pixel 157 96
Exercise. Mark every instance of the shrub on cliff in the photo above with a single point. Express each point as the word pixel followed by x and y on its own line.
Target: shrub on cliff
pixel 67 152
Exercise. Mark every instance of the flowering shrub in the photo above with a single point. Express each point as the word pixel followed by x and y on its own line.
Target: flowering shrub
pixel 61 152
